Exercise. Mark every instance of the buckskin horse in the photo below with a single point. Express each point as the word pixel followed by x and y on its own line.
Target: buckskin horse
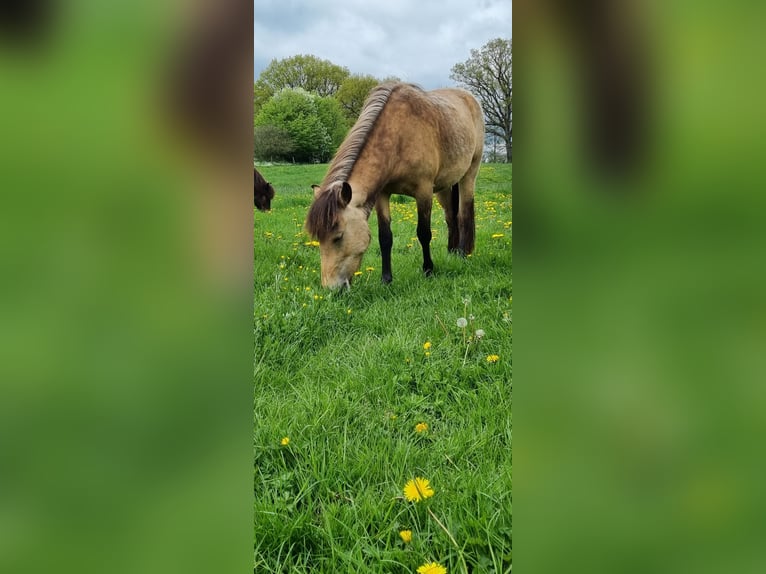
pixel 406 141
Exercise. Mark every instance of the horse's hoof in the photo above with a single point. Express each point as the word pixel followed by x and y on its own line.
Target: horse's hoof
pixel 428 272
pixel 386 279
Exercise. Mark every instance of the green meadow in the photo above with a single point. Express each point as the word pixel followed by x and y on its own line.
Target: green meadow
pixel 360 391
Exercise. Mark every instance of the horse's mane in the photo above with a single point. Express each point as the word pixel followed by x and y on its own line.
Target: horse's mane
pixel 324 210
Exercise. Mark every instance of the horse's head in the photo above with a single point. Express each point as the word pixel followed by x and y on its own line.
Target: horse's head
pixel 262 196
pixel 342 230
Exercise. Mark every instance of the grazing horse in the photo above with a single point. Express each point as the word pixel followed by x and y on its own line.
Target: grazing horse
pixel 406 141
pixel 263 192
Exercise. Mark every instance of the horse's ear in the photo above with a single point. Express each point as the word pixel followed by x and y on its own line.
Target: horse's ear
pixel 345 193
pixel 316 189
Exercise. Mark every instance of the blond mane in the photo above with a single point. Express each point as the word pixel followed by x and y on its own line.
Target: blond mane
pixel 323 212
pixel 349 151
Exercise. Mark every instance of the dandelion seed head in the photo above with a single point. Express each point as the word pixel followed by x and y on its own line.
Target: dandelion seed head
pixel 479 333
pixel 462 323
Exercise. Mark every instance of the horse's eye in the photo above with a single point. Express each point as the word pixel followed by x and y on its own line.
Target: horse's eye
pixel 338 239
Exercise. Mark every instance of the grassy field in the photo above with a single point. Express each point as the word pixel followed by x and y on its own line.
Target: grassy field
pixel 358 392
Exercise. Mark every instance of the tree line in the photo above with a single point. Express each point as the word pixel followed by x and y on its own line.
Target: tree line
pixel 304 106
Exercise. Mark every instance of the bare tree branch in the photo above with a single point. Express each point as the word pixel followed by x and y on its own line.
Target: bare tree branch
pixel 488 74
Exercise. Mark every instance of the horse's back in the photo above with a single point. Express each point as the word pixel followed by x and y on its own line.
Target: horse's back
pixel 438 134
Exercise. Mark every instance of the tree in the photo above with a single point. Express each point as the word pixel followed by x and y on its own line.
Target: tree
pixel 320 77
pixel 295 111
pixel 354 91
pixel 494 149
pixel 272 143
pixel 332 118
pixel 488 74
pixel 352 94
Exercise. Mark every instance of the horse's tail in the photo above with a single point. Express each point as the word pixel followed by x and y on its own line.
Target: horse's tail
pixel 450 200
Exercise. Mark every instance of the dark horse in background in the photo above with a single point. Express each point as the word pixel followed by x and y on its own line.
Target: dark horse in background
pixel 263 192
pixel 406 141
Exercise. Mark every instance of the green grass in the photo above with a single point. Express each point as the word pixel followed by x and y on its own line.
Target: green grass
pixel 346 377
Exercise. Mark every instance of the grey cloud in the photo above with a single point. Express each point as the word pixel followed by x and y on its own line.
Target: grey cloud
pixel 416 41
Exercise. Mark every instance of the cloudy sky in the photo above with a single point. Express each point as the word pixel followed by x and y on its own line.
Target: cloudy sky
pixel 415 40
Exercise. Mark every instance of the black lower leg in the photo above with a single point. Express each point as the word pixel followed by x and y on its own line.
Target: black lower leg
pixel 467 229
pixel 386 239
pixel 424 236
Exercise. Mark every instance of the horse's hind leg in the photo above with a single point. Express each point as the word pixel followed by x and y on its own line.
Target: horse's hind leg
pixel 449 200
pixel 385 237
pixel 466 221
pixel 424 231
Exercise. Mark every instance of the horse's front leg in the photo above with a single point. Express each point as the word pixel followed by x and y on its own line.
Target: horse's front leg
pixel 424 233
pixel 385 237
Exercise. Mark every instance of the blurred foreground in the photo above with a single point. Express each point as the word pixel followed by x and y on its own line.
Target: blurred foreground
pixel 641 335
pixel 126 264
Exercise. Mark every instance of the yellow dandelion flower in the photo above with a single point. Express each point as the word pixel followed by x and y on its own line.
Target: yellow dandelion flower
pixel 285 441
pixel 497 235
pixel 348 311
pixel 428 353
pixel 427 345
pixel 418 489
pixel 369 269
pixel 432 568
pixel 421 427
pixel 492 358
pixel 406 536
pixel 357 273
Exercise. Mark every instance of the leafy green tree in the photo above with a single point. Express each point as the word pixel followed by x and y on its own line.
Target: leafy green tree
pixel 331 115
pixel 352 93
pixel 488 74
pixel 272 143
pixel 320 77
pixel 295 111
